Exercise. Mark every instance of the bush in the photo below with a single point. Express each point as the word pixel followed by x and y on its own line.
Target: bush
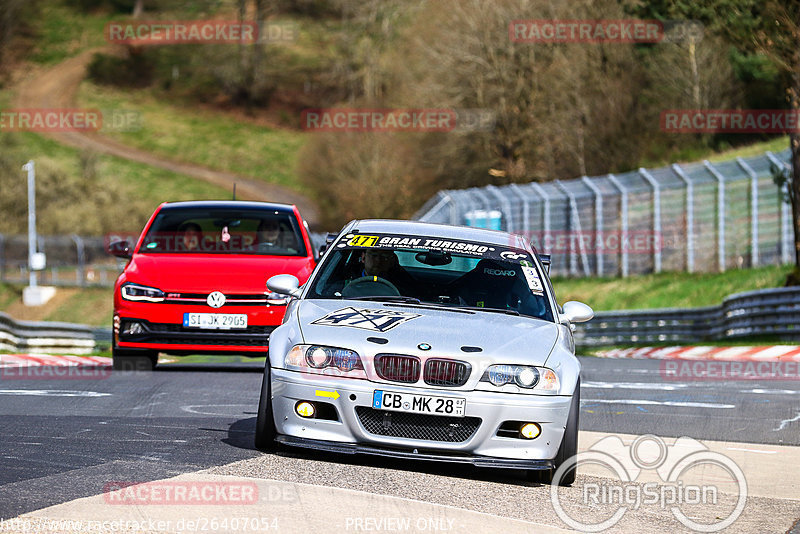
pixel 135 70
pixel 363 175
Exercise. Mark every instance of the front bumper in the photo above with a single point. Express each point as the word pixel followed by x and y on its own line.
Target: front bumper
pixel 482 446
pixel 170 336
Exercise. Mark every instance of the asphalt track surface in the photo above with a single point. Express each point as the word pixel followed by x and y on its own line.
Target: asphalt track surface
pixel 63 440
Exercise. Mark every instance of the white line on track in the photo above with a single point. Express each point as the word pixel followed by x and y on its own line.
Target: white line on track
pixel 645 402
pixel 751 450
pixel 785 422
pixel 52 393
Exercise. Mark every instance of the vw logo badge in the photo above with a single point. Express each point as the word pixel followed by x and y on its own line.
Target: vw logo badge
pixel 424 346
pixel 216 299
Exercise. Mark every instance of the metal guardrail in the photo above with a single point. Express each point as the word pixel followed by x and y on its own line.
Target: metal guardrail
pixel 30 336
pixel 773 313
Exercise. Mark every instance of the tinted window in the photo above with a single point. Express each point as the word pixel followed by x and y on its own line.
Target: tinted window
pixel 224 231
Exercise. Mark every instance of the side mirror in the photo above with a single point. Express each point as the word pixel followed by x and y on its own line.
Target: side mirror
pixel 284 284
pixel 120 249
pixel 576 312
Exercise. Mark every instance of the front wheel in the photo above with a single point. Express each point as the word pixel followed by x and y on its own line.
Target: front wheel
pixel 265 422
pixel 567 449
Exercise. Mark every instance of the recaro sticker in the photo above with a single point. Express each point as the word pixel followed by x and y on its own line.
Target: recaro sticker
pixel 366 319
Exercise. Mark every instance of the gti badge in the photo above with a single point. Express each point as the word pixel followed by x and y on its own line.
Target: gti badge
pixel 215 299
pixel 424 346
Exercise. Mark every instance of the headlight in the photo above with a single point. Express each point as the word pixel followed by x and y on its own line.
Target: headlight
pixel 327 360
pixel 540 378
pixel 142 293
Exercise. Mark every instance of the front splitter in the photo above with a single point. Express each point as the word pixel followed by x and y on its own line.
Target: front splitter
pixel 353 448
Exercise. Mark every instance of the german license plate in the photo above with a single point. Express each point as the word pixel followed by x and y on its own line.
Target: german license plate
pixel 427 404
pixel 215 321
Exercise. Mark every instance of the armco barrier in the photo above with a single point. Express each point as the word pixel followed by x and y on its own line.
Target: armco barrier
pixel 29 336
pixel 773 313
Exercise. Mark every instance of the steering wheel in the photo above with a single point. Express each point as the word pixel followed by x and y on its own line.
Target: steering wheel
pixel 367 286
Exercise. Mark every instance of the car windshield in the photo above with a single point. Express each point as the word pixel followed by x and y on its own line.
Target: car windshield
pixel 432 271
pixel 190 230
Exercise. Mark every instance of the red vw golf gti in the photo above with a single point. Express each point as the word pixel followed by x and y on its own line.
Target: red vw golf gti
pixel 196 280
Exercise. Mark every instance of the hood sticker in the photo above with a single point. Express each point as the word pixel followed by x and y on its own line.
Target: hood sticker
pixel 534 283
pixel 367 319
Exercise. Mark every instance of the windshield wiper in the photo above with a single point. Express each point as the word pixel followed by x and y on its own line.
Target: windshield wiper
pixel 388 298
pixel 495 310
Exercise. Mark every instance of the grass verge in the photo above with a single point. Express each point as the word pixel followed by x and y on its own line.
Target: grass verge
pixel 666 290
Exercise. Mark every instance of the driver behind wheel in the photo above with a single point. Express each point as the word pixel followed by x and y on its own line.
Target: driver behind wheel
pixel 384 264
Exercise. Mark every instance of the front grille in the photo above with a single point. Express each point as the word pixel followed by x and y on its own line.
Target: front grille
pixel 417 426
pixel 176 334
pixel 258 299
pixel 397 368
pixel 446 372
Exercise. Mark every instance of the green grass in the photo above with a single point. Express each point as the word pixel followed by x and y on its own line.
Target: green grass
pixel 63 32
pixel 666 290
pixel 757 149
pixel 120 197
pixel 92 306
pixel 193 135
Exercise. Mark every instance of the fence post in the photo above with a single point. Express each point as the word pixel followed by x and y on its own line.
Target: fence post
pixel 720 213
pixel 689 216
pixel 786 242
pixel 506 207
pixel 80 273
pixel 656 217
pixel 598 223
pixel 2 258
pixel 575 222
pixel 546 208
pixel 526 209
pixel 753 210
pixel 453 210
pixel 623 222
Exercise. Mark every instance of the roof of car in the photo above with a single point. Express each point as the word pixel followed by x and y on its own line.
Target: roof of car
pixel 439 231
pixel 228 204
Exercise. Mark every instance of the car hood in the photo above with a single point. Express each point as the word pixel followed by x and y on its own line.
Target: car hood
pixel 204 273
pixel 502 338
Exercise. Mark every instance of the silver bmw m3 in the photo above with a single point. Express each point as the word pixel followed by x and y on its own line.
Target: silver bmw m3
pixel 427 342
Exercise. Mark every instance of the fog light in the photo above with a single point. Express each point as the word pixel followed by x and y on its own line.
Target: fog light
pixel 530 430
pixel 305 409
pixel 133 328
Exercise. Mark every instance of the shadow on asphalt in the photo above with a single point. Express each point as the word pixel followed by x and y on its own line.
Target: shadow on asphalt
pixel 228 367
pixel 241 434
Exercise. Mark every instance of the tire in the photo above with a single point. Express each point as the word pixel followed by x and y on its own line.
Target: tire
pixel 131 360
pixel 568 447
pixel 265 423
